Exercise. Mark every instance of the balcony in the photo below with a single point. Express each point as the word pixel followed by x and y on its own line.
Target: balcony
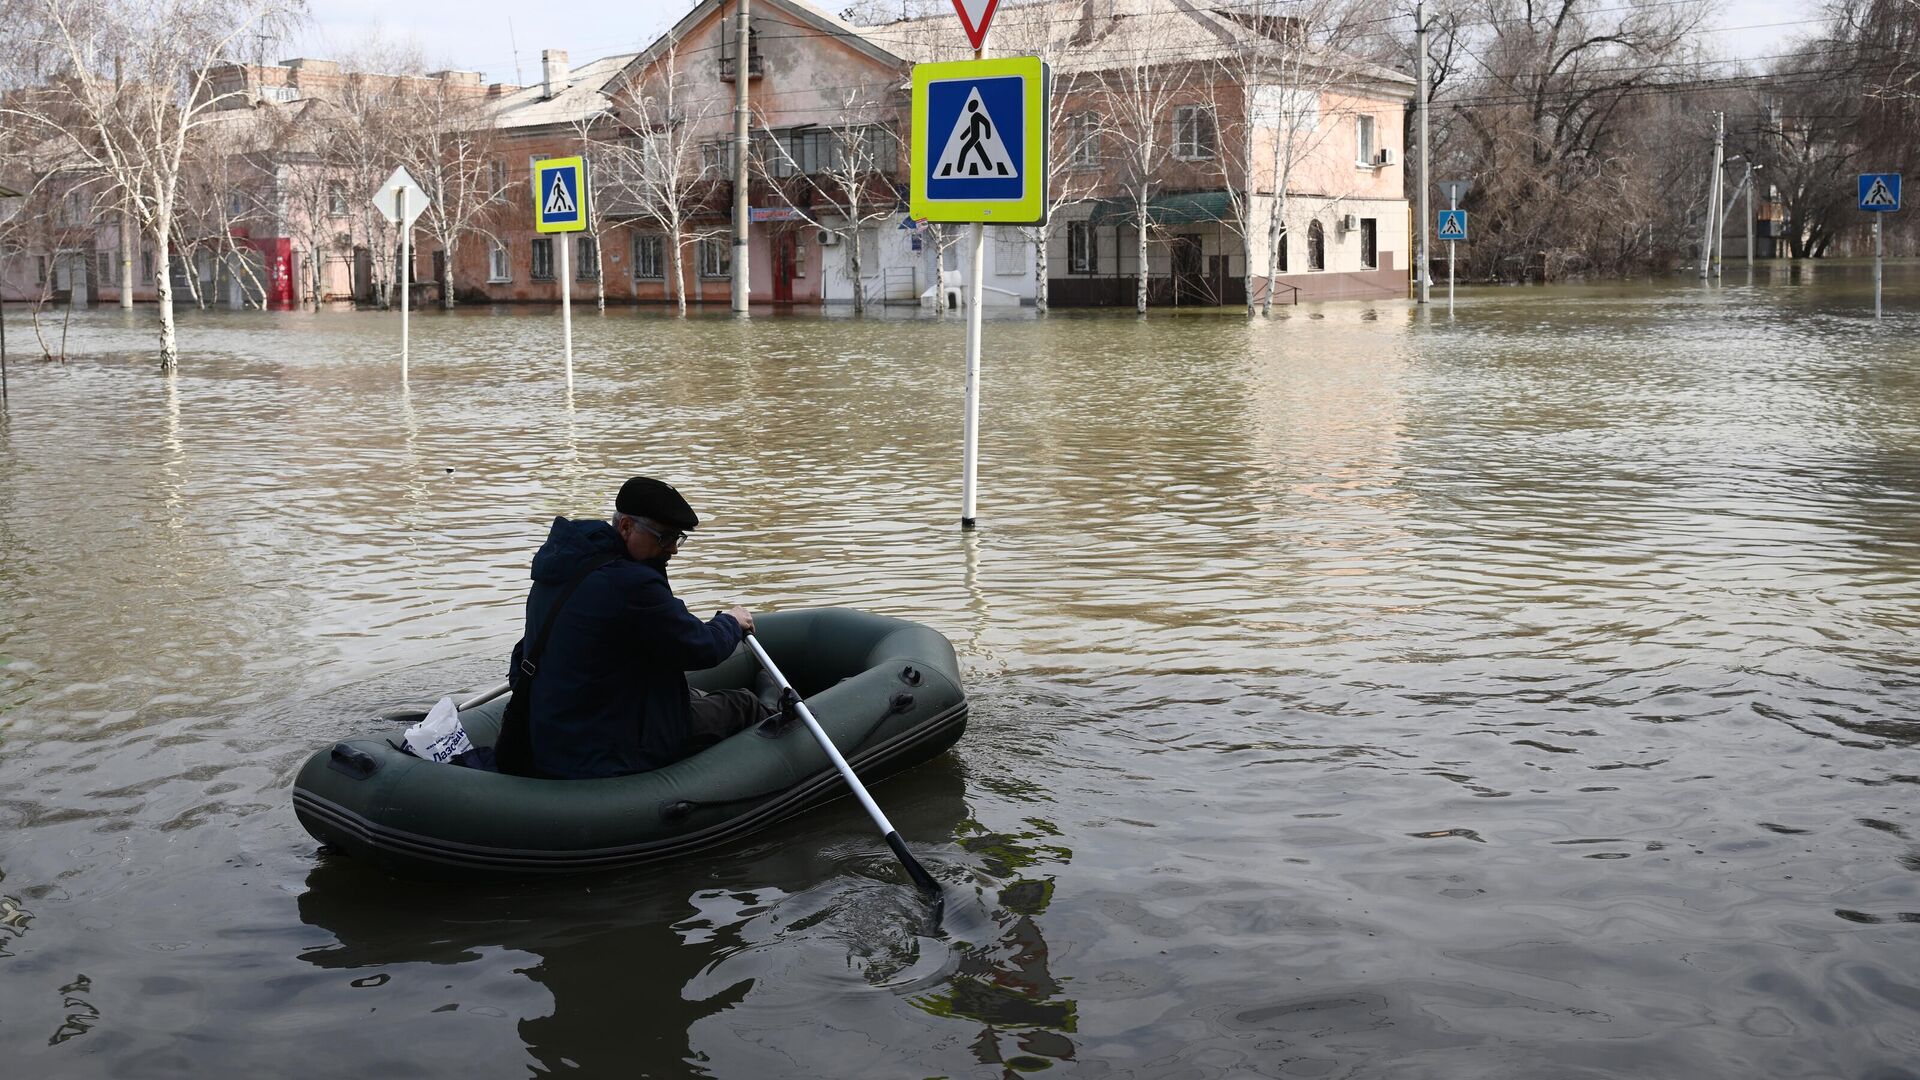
pixel 755 66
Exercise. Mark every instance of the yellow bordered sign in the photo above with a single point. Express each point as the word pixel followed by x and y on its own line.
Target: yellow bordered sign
pixel 560 195
pixel 980 141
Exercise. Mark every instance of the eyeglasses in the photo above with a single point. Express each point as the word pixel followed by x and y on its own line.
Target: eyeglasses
pixel 671 540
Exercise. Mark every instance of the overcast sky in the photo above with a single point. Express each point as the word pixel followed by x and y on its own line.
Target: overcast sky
pixel 486 35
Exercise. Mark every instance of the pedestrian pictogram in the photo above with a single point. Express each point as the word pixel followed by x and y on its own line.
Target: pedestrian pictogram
pixel 979 141
pixel 974 148
pixel 560 201
pixel 559 195
pixel 1880 192
pixel 1453 225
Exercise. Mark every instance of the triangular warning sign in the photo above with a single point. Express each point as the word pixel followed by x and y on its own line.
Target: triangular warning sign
pixel 560 198
pixel 975 17
pixel 974 150
pixel 1879 195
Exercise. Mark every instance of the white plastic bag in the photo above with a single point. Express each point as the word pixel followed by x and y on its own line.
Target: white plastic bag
pixel 439 737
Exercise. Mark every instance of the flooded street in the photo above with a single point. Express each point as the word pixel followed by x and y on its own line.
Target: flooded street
pixel 1355 694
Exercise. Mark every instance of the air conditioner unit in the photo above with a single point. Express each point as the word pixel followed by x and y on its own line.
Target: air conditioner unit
pixel 1349 222
pixel 829 238
pixel 1384 157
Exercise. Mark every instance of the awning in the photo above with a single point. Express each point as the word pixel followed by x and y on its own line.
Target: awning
pixel 1180 208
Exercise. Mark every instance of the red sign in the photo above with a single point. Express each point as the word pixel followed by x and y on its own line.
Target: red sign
pixel 974 17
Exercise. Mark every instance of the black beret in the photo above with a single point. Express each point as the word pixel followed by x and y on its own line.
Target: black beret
pixel 643 496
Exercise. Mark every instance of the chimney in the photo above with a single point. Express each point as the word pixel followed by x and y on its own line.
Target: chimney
pixel 553 72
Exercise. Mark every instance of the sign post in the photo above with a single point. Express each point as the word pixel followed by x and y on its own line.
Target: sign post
pixel 979 155
pixel 1880 196
pixel 560 206
pixel 1453 228
pixel 401 201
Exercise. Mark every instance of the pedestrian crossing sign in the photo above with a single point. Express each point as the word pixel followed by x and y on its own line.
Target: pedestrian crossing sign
pixel 560 195
pixel 1880 192
pixel 980 141
pixel 1453 225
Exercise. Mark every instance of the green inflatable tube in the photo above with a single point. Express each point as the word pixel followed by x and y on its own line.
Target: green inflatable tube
pixel 887 692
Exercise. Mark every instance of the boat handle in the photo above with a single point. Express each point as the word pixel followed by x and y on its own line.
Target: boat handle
pixel 910 675
pixel 353 762
pixel 902 701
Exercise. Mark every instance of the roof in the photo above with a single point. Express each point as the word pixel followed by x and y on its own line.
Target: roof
pixel 860 38
pixel 1105 34
pixel 584 97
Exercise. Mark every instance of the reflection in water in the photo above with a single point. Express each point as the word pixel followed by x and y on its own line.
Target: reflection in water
pixel 1008 985
pixel 1526 694
pixel 633 963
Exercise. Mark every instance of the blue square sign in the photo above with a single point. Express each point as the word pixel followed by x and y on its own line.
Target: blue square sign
pixel 978 128
pixel 1880 192
pixel 979 139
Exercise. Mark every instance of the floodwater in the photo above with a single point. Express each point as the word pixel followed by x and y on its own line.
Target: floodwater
pixel 1355 694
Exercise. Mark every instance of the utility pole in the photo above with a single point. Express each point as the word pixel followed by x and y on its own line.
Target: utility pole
pixel 1751 169
pixel 1425 273
pixel 1707 246
pixel 740 162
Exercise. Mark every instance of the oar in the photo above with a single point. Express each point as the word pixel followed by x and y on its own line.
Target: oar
pixel 914 870
pixel 413 714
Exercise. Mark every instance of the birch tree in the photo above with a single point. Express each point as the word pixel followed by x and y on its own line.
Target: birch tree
pixel 1138 89
pixel 657 172
pixel 446 141
pixel 841 168
pixel 135 131
pixel 1045 30
pixel 1269 92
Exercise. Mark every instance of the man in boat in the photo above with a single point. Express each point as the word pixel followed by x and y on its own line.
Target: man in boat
pixel 610 696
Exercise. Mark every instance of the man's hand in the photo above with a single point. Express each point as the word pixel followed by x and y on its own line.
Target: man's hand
pixel 743 617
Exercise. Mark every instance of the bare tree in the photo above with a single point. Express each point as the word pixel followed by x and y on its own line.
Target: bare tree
pixel 657 171
pixel 135 130
pixel 1045 29
pixel 1547 120
pixel 836 177
pixel 1268 95
pixel 1139 86
pixel 447 143
pixel 592 136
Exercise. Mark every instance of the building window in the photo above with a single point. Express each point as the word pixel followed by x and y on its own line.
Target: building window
pixel 1316 247
pixel 1363 139
pixel 146 267
pixel 800 252
pixel 714 156
pixel 499 266
pixel 105 263
pixel 497 175
pixel 39 269
pixel 540 266
pixel 1080 255
pixel 588 250
pixel 646 256
pixel 1083 135
pixel 1194 137
pixel 337 198
pixel 1283 251
pixel 236 204
pixel 1369 243
pixel 716 257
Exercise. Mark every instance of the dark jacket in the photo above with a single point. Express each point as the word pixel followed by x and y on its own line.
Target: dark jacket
pixel 611 694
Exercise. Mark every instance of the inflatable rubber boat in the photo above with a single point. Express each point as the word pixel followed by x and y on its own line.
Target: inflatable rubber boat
pixel 886 690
